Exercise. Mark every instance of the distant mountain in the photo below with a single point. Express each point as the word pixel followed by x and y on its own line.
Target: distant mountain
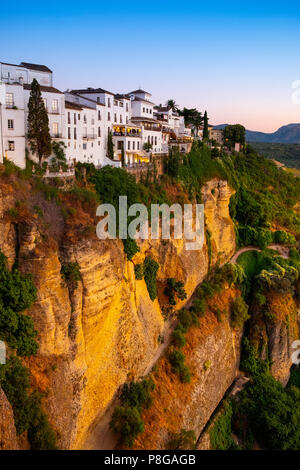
pixel 289 134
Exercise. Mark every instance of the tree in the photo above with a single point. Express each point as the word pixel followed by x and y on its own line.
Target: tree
pixel 172 105
pixel 110 146
pixel 205 126
pixel 38 124
pixel 234 134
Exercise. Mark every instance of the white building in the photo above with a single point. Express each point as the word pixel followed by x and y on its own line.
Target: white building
pixel 83 118
pixel 15 86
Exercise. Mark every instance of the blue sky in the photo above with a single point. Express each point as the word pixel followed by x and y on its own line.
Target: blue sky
pixel 237 60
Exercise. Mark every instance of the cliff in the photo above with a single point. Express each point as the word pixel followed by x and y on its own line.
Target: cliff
pixel 92 338
pixel 8 437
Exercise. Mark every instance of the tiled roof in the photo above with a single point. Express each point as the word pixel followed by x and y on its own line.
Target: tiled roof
pixel 48 89
pixel 139 91
pixel 91 91
pixel 41 68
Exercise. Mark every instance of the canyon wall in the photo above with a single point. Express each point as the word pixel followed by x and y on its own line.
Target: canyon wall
pixel 93 338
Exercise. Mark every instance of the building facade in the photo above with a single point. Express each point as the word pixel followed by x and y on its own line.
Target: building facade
pixel 82 120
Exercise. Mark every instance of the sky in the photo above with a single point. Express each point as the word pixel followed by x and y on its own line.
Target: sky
pixel 237 60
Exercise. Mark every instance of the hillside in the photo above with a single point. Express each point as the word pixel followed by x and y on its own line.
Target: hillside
pixel 289 134
pixel 288 154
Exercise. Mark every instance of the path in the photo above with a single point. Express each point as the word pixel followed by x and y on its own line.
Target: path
pixel 283 250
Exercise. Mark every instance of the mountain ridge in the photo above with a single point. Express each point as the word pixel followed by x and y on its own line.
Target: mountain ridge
pixel 288 134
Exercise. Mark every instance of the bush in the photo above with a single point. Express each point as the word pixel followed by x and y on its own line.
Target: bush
pixel 220 433
pixel 28 413
pixel 175 289
pixel 176 359
pixel 139 271
pixel 70 272
pixel 284 238
pixel 187 319
pixel 178 338
pixel 127 422
pixel 137 394
pixel 239 312
pixel 130 247
pixel 17 293
pixel 183 440
pixel 199 306
pixel 150 271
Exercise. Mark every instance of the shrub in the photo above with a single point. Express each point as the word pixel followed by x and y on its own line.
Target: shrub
pixel 183 440
pixel 17 293
pixel 130 247
pixel 187 319
pixel 137 394
pixel 239 312
pixel 176 359
pixel 150 271
pixel 199 306
pixel 70 272
pixel 175 289
pixel 283 237
pixel 127 422
pixel 139 271
pixel 220 433
pixel 28 413
pixel 178 338
pixel 206 365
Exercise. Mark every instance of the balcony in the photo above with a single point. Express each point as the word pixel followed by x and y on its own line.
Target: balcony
pixel 89 137
pixel 56 135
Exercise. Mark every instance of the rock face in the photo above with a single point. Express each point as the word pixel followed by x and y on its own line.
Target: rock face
pixel 8 437
pixel 275 332
pixel 212 353
pixel 94 337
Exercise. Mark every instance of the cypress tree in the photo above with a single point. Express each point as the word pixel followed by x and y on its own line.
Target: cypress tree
pixel 38 124
pixel 110 146
pixel 205 126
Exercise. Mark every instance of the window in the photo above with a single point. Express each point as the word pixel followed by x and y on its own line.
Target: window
pixel 69 132
pixel 55 106
pixel 55 129
pixel 120 145
pixel 126 107
pixel 121 104
pixel 69 118
pixel 78 117
pixel 147 110
pixel 9 100
pixel 98 99
pixel 99 142
pixel 108 116
pixel 128 145
pixel 74 118
pixel 150 111
pixel 99 131
pixel 133 145
pixel 10 123
pixel 155 140
pixel 115 103
pixel 121 120
pixel 93 121
pixel 84 146
pixel 108 102
pixel 126 119
pixel 152 140
pixel 45 102
pixel 75 134
pixel 84 118
pixel 84 132
pixel 11 145
pixel 115 117
pixel 99 115
pixel 143 110
pixel 138 145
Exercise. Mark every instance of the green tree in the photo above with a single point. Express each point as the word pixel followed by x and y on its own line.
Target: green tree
pixel 172 105
pixel 110 146
pixel 205 126
pixel 38 124
pixel 234 134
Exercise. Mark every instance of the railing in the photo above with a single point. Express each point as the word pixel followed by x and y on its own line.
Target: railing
pixel 89 136
pixel 60 173
pixel 56 136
